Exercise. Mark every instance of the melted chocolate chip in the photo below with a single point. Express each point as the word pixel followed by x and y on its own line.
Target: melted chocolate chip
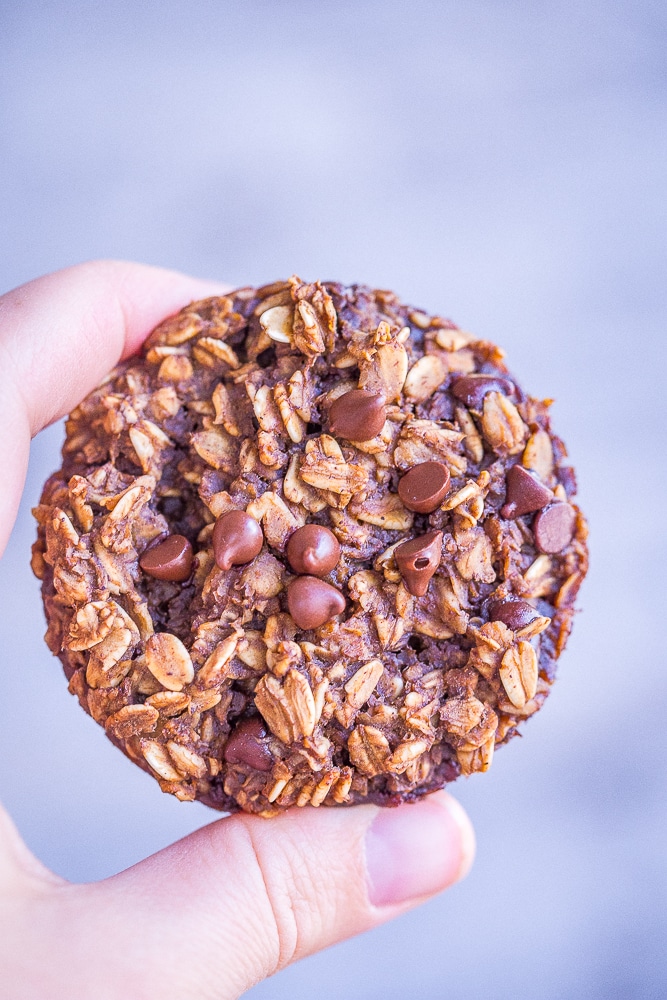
pixel 312 602
pixel 237 539
pixel 313 549
pixel 471 389
pixel 357 415
pixel 525 493
pixel 244 746
pixel 418 559
pixel 513 612
pixel 424 487
pixel 170 559
pixel 554 527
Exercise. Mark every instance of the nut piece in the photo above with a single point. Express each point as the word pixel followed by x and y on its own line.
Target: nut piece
pixel 518 673
pixel 169 661
pixel 277 323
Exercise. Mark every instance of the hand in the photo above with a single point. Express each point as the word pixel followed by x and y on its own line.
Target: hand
pixel 242 897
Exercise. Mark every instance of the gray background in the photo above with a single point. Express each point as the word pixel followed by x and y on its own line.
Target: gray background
pixel 502 163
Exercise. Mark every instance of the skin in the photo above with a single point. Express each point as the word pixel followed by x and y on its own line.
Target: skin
pixel 242 897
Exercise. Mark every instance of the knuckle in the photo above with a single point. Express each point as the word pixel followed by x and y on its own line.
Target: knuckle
pixel 298 893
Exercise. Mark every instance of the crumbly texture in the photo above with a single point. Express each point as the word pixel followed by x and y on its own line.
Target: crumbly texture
pixel 227 409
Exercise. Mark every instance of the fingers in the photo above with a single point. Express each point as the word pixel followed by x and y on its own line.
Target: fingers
pixel 20 871
pixel 60 335
pixel 244 896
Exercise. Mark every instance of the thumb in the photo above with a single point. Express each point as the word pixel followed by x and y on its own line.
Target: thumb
pixel 241 898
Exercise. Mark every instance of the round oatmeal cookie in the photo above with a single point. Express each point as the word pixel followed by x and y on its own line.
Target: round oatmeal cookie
pixel 312 546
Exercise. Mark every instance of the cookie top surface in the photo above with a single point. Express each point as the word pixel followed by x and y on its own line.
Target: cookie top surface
pixel 312 546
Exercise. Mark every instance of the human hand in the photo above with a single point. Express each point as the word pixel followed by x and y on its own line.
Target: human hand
pixel 239 899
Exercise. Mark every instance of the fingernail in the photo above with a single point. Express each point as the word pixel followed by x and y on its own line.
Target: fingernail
pixel 417 850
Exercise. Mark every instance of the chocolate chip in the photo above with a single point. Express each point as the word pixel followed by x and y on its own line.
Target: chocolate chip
pixel 312 602
pixel 244 746
pixel 525 493
pixel 170 559
pixel 418 560
pixel 357 415
pixel 423 488
pixel 313 549
pixel 514 613
pixel 237 539
pixel 471 389
pixel 553 527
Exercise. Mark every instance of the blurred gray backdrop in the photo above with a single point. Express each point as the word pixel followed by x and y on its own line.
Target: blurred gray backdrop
pixel 501 163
